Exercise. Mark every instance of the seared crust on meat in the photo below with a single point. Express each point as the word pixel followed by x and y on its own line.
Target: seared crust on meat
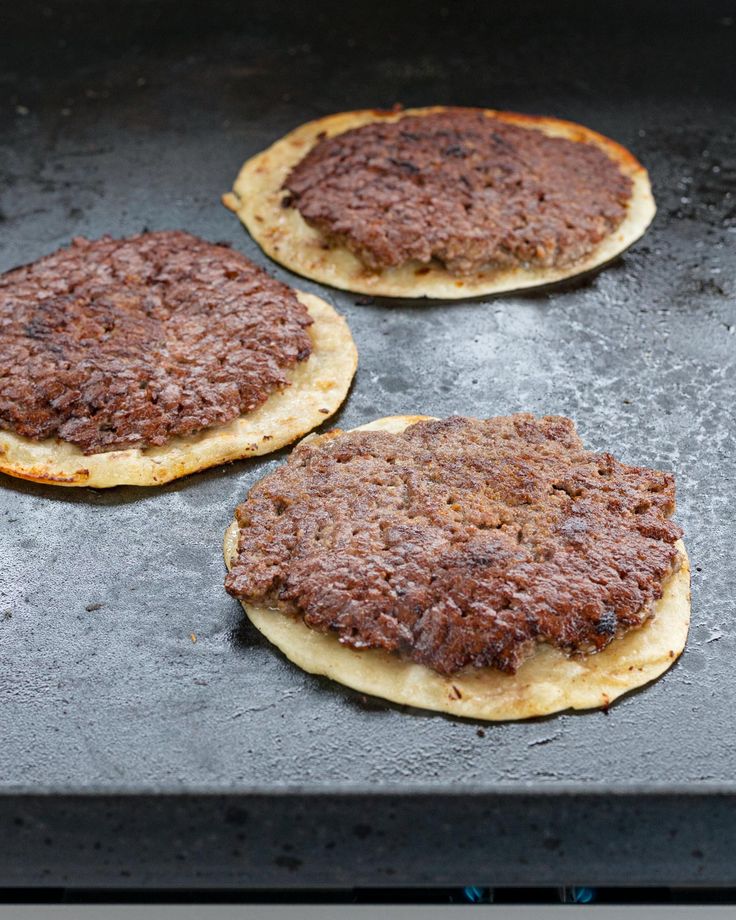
pixel 459 189
pixel 317 387
pixel 259 197
pixel 459 541
pixel 547 681
pixel 110 344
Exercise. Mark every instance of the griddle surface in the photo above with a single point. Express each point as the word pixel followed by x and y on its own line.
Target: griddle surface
pixel 122 116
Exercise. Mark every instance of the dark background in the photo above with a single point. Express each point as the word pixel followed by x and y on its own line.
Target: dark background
pixel 115 117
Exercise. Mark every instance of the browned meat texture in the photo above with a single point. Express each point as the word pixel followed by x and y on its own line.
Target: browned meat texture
pixel 129 343
pixel 462 188
pixel 459 542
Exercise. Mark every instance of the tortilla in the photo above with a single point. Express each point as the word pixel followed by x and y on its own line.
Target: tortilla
pixel 547 682
pixel 317 388
pixel 285 236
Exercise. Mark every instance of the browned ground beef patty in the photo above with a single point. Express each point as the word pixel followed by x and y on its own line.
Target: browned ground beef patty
pixel 462 188
pixel 129 343
pixel 459 542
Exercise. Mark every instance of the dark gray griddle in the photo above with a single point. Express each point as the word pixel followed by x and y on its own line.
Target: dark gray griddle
pixel 131 755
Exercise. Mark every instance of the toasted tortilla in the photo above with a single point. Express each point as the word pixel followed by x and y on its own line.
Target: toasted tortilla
pixel 317 388
pixel 285 236
pixel 547 682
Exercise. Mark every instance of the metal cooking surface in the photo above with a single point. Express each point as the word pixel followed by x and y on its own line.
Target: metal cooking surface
pixel 642 356
pixel 140 118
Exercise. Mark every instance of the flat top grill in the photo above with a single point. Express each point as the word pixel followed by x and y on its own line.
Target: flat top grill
pixel 125 116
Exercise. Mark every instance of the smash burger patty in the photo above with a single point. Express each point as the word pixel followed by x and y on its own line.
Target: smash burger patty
pixel 461 188
pixel 129 343
pixel 459 542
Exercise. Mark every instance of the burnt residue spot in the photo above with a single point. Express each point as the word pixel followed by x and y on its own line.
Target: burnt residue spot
pixel 698 854
pixel 708 286
pixel 292 863
pixel 606 625
pixel 551 843
pixel 362 831
pixel 90 608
